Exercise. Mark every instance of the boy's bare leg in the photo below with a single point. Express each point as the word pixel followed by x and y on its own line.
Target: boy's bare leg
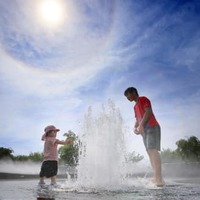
pixel 156 165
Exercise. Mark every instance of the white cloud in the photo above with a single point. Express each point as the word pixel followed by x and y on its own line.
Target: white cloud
pixel 54 62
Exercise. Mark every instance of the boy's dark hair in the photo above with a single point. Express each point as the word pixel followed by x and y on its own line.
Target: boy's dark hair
pixel 131 90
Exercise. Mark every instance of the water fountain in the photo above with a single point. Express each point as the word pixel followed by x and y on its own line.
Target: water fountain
pixel 102 157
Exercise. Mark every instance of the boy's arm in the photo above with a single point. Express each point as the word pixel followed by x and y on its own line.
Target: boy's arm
pixel 145 119
pixel 136 124
pixel 135 130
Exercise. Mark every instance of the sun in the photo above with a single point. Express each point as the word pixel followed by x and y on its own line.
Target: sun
pixel 51 12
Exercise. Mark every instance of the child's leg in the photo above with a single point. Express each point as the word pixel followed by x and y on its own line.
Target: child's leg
pixel 41 180
pixel 53 180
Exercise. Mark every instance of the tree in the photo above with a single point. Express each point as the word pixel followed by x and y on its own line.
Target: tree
pixel 69 153
pixel 21 158
pixel 169 156
pixel 36 157
pixel 189 149
pixel 6 152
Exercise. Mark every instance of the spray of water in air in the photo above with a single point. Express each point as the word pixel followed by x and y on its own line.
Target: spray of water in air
pixel 102 152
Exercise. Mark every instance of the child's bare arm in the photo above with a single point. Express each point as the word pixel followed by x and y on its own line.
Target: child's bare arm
pixel 67 141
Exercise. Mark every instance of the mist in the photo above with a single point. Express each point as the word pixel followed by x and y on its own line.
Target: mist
pixel 181 170
pixel 16 167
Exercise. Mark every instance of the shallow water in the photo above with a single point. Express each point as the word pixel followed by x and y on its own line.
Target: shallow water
pixel 27 189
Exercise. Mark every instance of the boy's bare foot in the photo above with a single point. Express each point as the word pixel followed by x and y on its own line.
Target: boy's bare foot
pixel 159 182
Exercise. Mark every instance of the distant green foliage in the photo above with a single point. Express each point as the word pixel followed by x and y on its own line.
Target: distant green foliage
pixel 134 157
pixel 6 153
pixel 188 150
pixel 21 158
pixel 69 153
pixel 35 157
pixel 169 156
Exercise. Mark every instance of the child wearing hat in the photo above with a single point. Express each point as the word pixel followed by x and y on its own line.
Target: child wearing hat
pixel 49 166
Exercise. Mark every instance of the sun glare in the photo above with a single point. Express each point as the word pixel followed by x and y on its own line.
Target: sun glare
pixel 51 12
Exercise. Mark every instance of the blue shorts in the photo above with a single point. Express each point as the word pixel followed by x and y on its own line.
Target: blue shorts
pixel 151 137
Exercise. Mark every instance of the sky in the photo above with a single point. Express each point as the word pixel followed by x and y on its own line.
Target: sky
pixel 58 59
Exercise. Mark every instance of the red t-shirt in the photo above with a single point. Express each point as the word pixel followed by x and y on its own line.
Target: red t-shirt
pixel 139 109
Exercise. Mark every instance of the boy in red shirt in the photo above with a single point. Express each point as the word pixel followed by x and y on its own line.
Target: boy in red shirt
pixel 147 126
pixel 49 166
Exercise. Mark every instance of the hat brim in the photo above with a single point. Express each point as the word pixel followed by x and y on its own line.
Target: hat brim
pixel 56 129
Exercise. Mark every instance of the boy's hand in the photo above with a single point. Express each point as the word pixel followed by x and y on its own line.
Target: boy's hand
pixel 136 131
pixel 141 129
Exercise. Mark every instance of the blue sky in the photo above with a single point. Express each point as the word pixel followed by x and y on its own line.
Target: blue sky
pixel 51 74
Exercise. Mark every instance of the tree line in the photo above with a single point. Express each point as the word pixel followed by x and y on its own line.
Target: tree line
pixel 188 150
